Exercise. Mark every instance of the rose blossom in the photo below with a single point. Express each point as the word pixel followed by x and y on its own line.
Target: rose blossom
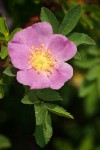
pixel 40 57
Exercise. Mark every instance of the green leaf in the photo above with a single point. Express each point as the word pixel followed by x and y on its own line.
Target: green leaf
pixel 4 142
pixel 1 92
pixel 39 135
pixel 39 113
pixel 47 126
pixel 86 21
pixel 90 102
pixel 30 98
pixel 77 56
pixel 48 95
pixel 3 27
pixel 44 131
pixel 85 89
pixel 98 86
pixel 13 33
pixel 94 51
pixel 70 20
pixel 58 110
pixel 93 73
pixel 85 63
pixel 10 71
pixel 4 51
pixel 81 38
pixel 48 16
pixel 2 38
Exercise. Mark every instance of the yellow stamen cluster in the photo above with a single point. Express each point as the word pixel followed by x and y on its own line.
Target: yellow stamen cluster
pixel 40 59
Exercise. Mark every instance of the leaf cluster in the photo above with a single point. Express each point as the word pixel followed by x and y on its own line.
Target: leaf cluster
pixel 42 105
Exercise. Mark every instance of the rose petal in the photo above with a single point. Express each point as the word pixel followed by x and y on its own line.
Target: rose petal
pixel 62 73
pixel 44 31
pixel 34 80
pixel 26 36
pixel 62 48
pixel 19 55
pixel 34 35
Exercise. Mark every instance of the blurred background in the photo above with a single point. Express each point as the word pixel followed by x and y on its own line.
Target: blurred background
pixel 81 94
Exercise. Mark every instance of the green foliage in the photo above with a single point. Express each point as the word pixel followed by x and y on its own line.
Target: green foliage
pixel 98 86
pixel 5 83
pixel 30 98
pixel 94 51
pixel 4 142
pixel 89 89
pixel 5 37
pixel 58 110
pixel 81 38
pixel 4 33
pixel 48 95
pixel 85 63
pixel 39 113
pixel 1 92
pixel 90 100
pixel 4 51
pixel 48 16
pixel 86 21
pixel 2 37
pixel 77 56
pixel 85 89
pixel 13 33
pixel 91 84
pixel 3 26
pixel 70 20
pixel 43 131
pixel 93 73
pixel 87 143
pixel 10 71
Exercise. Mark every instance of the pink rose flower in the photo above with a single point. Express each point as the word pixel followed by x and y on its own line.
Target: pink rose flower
pixel 40 57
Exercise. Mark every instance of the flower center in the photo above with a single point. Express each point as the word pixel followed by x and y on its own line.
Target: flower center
pixel 40 59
